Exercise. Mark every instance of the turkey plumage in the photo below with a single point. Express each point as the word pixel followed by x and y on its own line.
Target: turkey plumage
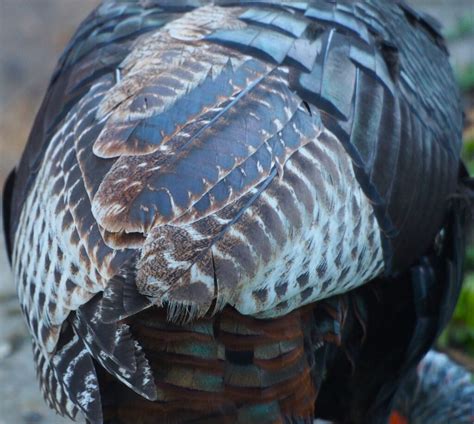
pixel 439 391
pixel 240 211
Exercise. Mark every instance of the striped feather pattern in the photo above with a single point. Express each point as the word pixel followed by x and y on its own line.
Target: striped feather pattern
pixel 197 175
pixel 69 382
pixel 385 55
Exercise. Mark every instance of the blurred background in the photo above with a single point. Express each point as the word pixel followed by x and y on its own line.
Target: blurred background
pixel 32 35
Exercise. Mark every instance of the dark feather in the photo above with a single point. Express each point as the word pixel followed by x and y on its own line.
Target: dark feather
pixel 121 298
pixel 6 208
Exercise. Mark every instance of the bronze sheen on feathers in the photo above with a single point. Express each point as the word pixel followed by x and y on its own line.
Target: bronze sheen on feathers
pixel 242 212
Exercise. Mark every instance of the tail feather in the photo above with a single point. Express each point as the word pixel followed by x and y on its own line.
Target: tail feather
pixel 232 369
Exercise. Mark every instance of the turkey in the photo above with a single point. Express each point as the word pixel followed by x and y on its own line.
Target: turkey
pixel 439 392
pixel 240 212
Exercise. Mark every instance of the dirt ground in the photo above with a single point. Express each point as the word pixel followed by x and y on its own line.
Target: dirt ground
pixel 32 35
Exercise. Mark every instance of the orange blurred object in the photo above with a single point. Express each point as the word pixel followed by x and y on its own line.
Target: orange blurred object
pixel 396 418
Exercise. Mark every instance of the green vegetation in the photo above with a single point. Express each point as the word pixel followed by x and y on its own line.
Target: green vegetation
pixel 460 332
pixel 463 28
pixel 466 77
